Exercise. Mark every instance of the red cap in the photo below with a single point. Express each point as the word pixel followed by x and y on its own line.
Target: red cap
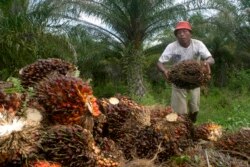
pixel 183 25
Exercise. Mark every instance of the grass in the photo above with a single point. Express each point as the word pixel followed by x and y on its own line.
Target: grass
pixel 223 106
pixel 227 108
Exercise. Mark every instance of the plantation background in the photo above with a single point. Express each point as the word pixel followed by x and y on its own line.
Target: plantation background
pixel 120 55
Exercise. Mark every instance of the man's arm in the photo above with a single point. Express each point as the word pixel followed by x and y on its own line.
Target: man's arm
pixel 205 54
pixel 163 69
pixel 210 60
pixel 207 63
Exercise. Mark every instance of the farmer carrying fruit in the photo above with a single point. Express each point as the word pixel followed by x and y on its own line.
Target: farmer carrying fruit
pixel 185 99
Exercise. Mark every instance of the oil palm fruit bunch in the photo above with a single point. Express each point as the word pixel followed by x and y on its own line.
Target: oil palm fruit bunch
pixel 176 134
pixel 110 150
pixel 18 138
pixel 235 143
pixel 35 72
pixel 208 131
pixel 159 112
pixel 99 128
pixel 69 145
pixel 108 105
pixel 110 154
pixel 147 143
pixel 66 100
pixel 10 102
pixel 189 74
pixel 126 137
pixel 119 110
pixel 118 102
pixel 116 115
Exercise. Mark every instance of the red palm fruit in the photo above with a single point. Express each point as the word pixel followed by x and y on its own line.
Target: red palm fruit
pixel 66 99
pixel 208 131
pixel 43 163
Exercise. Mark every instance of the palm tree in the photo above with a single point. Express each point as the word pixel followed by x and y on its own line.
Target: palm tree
pixel 242 33
pixel 28 31
pixel 129 24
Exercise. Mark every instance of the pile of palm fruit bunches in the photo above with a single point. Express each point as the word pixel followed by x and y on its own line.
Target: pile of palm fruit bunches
pixel 56 121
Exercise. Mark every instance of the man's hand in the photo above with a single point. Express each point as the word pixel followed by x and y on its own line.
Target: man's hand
pixel 207 63
pixel 162 69
pixel 206 69
pixel 166 74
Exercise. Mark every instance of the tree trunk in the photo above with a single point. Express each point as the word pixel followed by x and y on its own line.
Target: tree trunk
pixel 134 72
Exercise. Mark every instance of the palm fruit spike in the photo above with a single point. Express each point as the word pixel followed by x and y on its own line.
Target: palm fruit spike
pixel 207 131
pixel 35 72
pixel 69 145
pixel 235 143
pixel 18 137
pixel 189 74
pixel 66 99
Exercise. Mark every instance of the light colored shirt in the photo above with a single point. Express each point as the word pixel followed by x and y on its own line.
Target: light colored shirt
pixel 175 53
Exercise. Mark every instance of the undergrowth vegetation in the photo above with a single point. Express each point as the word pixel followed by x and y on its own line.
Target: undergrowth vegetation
pixel 225 107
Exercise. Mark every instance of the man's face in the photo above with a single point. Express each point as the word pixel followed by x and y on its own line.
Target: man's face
pixel 184 36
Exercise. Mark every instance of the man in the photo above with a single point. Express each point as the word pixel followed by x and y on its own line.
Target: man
pixel 184 48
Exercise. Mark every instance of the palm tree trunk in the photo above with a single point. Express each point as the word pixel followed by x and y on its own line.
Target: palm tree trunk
pixel 134 72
